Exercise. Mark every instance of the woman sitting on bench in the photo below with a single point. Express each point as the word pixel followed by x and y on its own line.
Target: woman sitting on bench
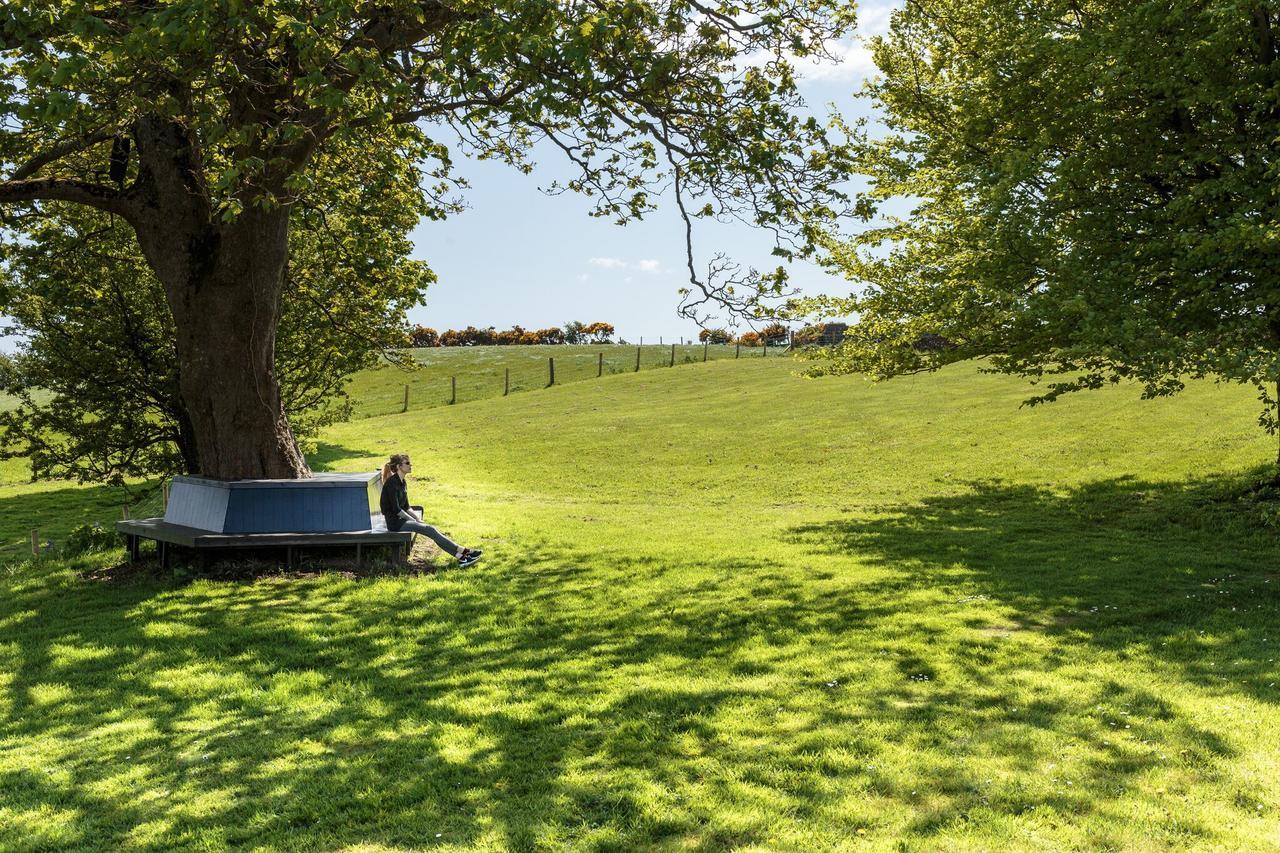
pixel 400 516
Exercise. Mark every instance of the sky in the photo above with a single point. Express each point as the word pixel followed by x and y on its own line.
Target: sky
pixel 518 256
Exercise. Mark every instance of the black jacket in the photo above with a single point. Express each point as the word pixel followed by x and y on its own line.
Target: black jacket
pixel 395 497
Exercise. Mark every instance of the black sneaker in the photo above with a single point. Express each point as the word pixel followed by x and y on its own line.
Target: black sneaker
pixel 469 557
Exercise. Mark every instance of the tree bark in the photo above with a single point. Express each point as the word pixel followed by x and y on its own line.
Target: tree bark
pixel 226 331
pixel 223 283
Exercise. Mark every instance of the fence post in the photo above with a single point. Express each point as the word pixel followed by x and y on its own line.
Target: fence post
pixel 638 359
pixel 35 542
pixel 164 492
pixel 599 365
pixel 124 512
pixel 764 347
pixel 453 390
pixel 737 353
pixel 673 356
pixel 551 365
pixel 406 400
pixel 506 383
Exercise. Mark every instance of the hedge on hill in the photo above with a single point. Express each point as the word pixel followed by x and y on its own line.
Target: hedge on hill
pixel 1081 214
pixel 202 124
pixel 574 333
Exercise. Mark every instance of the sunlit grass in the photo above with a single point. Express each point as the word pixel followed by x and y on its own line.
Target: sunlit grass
pixel 720 606
pixel 482 372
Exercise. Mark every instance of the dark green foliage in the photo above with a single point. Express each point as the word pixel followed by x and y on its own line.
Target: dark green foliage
pixel 1093 189
pixel 88 538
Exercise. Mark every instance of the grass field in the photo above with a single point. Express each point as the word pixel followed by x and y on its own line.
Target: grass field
pixel 480 371
pixel 720 607
pixel 55 508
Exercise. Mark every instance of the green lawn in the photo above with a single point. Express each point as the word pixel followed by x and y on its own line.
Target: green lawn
pixel 481 371
pixel 55 508
pixel 720 607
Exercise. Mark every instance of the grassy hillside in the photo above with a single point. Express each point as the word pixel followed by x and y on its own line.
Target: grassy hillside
pixel 480 371
pixel 720 606
pixel 56 508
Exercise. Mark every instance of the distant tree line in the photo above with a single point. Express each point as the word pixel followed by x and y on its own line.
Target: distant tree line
pixel 775 334
pixel 572 333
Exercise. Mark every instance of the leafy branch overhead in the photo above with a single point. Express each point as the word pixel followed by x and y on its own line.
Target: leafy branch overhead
pixel 638 96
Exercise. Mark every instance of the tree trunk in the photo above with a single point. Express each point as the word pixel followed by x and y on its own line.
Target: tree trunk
pixel 223 282
pixel 226 319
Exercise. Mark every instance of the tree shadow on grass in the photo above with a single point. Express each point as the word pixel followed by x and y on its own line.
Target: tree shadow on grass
pixel 546 699
pixel 1178 578
pixel 1182 572
pixel 324 456
pixel 337 716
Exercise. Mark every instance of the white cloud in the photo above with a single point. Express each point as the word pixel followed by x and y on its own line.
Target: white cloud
pixel 852 56
pixel 646 265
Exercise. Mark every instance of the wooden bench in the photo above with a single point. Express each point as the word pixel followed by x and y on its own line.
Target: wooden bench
pixel 203 542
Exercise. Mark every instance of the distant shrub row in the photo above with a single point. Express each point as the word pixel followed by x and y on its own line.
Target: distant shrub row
pixel 774 334
pixel 572 333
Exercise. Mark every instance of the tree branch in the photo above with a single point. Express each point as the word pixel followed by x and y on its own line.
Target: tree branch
pixel 57 152
pixel 103 198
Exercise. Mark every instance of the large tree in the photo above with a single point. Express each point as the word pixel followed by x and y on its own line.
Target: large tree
pixel 96 377
pixel 1092 190
pixel 199 123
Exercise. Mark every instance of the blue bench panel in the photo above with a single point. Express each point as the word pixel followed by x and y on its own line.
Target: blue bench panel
pixel 325 504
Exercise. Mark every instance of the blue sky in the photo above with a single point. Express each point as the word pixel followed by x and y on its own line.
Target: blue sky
pixel 519 256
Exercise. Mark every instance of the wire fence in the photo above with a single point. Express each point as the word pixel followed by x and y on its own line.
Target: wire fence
pixel 444 376
pixel 452 375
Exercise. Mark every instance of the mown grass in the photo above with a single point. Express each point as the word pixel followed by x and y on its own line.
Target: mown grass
pixel 720 607
pixel 55 508
pixel 481 371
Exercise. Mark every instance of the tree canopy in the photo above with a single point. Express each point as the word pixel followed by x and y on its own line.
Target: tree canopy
pixel 202 124
pixel 1092 190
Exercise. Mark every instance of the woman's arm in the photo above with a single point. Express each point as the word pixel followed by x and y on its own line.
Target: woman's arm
pixel 389 500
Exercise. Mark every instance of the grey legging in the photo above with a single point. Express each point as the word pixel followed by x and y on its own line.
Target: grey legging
pixel 446 544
